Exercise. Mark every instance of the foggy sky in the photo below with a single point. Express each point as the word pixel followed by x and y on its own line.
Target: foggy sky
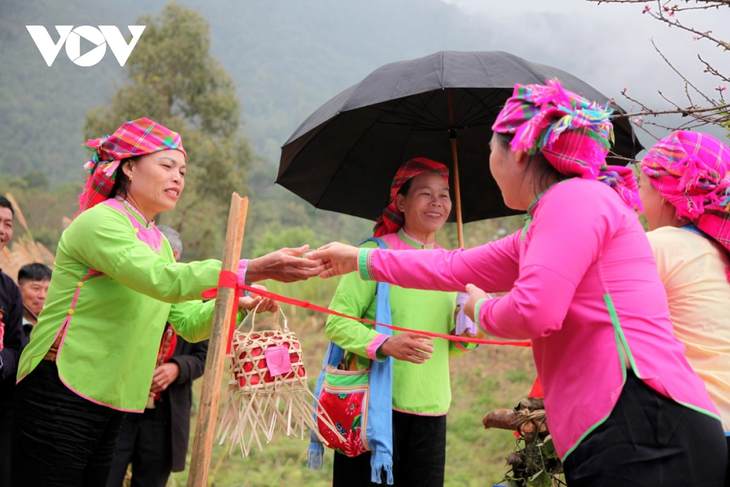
pixel 609 45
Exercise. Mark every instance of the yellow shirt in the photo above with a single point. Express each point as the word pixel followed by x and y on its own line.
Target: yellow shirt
pixel 692 268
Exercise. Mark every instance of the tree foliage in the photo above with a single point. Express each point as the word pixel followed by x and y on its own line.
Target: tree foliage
pixel 173 79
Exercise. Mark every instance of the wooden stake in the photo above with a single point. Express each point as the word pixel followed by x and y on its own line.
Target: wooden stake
pixel 455 159
pixel 210 394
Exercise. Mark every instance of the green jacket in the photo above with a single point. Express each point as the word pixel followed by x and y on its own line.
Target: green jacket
pixel 112 322
pixel 417 388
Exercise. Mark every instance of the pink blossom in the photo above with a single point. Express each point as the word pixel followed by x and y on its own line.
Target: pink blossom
pixel 647 8
pixel 695 38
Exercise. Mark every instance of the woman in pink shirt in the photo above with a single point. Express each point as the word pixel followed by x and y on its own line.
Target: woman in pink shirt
pixel 685 191
pixel 624 406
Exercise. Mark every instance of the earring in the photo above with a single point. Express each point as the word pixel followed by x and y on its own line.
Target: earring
pixel 130 176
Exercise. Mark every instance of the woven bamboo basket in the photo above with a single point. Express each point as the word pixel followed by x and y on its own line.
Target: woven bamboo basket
pixel 268 388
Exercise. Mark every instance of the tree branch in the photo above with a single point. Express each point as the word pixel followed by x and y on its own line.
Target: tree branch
pixel 682 111
pixel 663 8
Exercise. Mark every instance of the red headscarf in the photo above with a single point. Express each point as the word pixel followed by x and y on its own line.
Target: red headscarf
pixel 392 219
pixel 134 138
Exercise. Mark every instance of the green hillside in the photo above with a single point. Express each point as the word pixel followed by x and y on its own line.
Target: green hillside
pixel 287 56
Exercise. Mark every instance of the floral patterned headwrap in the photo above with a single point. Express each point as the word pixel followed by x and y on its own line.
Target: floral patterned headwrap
pixel 572 133
pixel 691 170
pixel 134 138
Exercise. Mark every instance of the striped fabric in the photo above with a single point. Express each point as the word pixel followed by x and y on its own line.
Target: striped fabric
pixel 134 138
pixel 392 219
pixel 691 170
pixel 572 133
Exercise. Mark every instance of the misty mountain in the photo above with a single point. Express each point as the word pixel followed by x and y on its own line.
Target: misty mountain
pixel 287 56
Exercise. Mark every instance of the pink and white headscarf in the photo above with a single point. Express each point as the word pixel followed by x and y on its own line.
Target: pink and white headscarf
pixel 134 138
pixel 572 133
pixel 691 170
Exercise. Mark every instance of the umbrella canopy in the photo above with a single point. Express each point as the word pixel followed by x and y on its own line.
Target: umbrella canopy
pixel 344 156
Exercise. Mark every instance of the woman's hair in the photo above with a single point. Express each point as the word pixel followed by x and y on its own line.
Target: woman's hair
pixel 405 189
pixel 543 172
pixel 121 182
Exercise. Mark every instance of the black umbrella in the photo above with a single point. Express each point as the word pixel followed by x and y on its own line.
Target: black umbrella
pixel 344 156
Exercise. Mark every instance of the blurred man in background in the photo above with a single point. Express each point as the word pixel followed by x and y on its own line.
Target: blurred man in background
pixel 33 281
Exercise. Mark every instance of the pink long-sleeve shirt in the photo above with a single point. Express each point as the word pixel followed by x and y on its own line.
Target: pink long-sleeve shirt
pixel 583 285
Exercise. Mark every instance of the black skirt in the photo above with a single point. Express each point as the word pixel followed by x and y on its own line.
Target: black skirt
pixel 652 441
pixel 419 455
pixel 60 439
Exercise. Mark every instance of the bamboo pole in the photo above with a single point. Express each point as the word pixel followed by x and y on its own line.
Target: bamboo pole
pixel 224 305
pixel 455 159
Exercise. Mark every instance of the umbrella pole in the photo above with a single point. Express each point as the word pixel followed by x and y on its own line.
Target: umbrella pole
pixel 224 305
pixel 455 160
pixel 457 193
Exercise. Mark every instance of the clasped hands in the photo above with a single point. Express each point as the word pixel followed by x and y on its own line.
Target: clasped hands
pixel 334 259
pixel 284 265
pixel 338 259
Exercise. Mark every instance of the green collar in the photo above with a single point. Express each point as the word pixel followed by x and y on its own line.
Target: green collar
pixel 528 216
pixel 537 199
pixel 413 242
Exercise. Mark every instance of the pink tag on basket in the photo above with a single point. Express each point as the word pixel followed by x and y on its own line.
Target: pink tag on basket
pixel 277 360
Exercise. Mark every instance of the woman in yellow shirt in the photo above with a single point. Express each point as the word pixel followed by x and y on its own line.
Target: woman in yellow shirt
pixel 685 190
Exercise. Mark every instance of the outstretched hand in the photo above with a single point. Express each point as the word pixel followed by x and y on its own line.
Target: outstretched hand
pixel 252 300
pixel 285 265
pixel 337 259
pixel 408 346
pixel 475 295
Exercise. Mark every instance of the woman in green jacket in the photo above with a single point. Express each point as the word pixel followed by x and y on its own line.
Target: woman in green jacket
pixel 413 453
pixel 115 284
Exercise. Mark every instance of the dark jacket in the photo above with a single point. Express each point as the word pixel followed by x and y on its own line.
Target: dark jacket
pixel 11 306
pixel 190 357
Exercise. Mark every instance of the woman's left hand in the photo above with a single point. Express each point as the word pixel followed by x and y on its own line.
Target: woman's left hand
pixel 252 300
pixel 475 295
pixel 164 375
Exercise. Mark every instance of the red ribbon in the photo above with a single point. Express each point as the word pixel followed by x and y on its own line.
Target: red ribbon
pixel 229 280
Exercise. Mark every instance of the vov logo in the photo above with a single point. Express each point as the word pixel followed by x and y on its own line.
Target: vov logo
pixel 71 37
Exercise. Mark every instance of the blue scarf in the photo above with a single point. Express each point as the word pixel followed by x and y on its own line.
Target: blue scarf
pixel 379 430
